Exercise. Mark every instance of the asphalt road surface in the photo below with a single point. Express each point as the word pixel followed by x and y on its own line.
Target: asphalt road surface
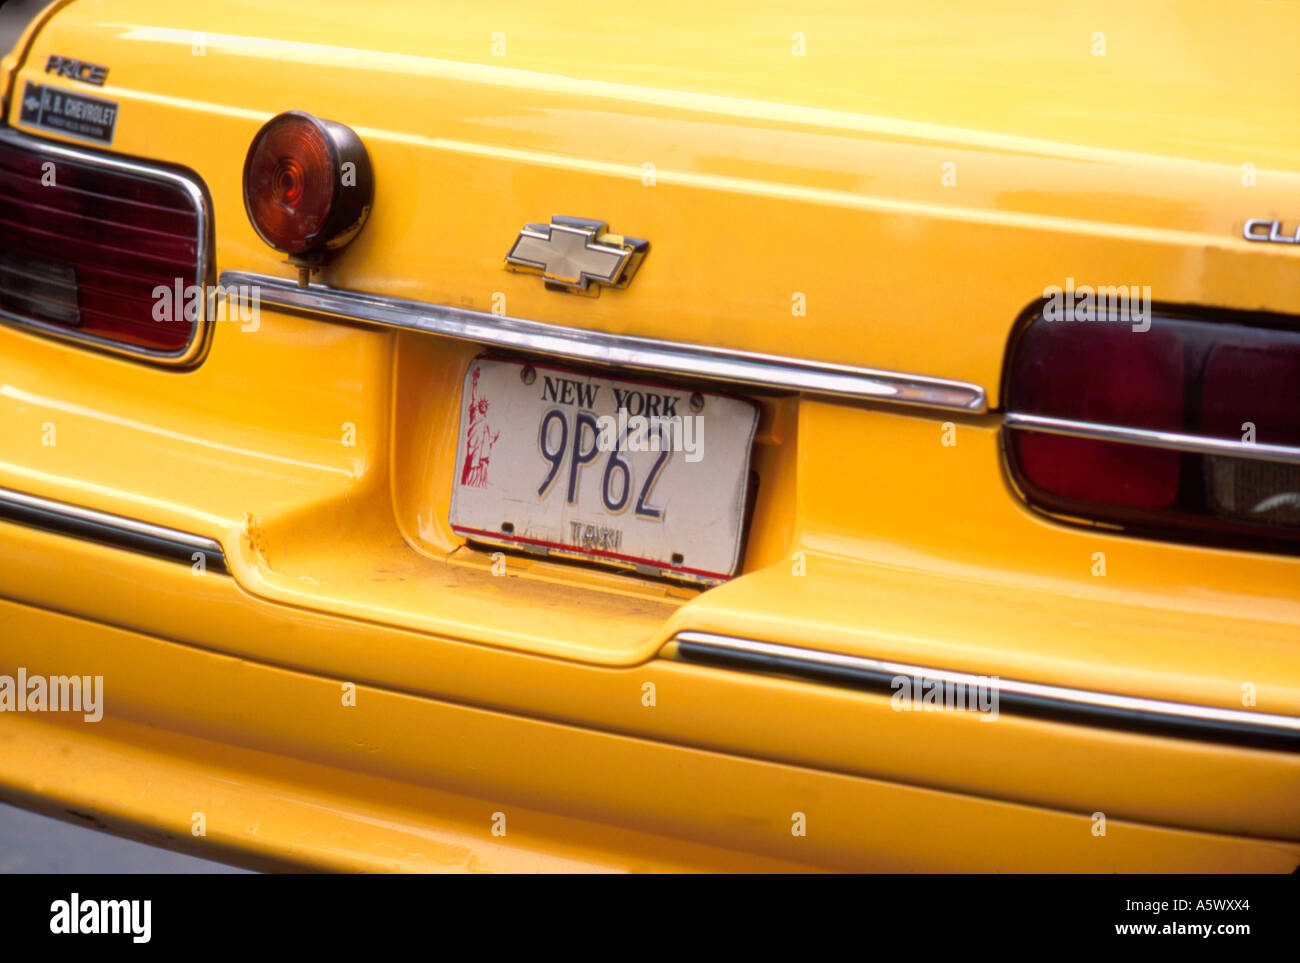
pixel 37 844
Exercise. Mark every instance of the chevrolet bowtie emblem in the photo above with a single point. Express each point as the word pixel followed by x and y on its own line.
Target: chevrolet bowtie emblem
pixel 575 254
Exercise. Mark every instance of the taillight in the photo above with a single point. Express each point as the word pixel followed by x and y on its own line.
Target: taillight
pixel 308 186
pixel 1187 429
pixel 87 240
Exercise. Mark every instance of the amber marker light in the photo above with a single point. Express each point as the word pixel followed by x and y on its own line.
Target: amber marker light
pixel 308 188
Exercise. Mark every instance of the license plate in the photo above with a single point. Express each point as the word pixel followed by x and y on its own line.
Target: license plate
pixel 618 472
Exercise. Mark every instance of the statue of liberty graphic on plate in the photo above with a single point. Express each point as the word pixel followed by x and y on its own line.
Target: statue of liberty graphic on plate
pixel 480 439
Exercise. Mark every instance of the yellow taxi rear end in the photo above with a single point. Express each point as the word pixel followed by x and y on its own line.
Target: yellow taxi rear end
pixel 268 524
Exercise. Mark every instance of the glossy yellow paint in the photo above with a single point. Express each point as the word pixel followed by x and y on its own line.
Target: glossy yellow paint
pixel 298 781
pixel 821 174
pixel 771 175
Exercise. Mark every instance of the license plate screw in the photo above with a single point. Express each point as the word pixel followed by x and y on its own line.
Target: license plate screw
pixel 527 375
pixel 697 402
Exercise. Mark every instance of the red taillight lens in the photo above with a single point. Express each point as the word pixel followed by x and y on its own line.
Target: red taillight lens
pixel 85 242
pixel 307 184
pixel 1101 471
pixel 1253 379
pixel 1110 376
pixel 1210 411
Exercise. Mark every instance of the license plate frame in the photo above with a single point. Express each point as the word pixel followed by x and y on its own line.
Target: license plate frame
pixel 526 416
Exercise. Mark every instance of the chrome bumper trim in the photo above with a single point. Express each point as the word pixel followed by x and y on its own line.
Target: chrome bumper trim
pixel 1077 706
pixel 1197 444
pixel 115 531
pixel 616 350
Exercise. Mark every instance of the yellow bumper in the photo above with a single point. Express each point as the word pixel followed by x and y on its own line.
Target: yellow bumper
pixel 285 775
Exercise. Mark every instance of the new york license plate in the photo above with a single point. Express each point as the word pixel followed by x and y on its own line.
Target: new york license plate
pixel 613 471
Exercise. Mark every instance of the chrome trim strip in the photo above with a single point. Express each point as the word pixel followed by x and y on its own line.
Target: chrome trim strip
pixel 1237 726
pixel 1198 444
pixel 203 260
pixel 113 530
pixel 617 350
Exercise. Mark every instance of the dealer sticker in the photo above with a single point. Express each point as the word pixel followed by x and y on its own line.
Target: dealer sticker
pixel 89 118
